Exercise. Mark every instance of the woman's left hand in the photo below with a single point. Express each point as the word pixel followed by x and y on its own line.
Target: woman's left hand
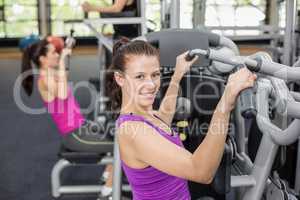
pixel 183 66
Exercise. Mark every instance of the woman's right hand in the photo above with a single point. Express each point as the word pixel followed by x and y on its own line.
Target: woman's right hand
pixel 237 82
pixel 87 7
pixel 182 65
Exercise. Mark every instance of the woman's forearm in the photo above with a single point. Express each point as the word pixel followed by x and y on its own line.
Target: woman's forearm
pixel 168 104
pixel 109 9
pixel 118 6
pixel 62 79
pixel 208 155
pixel 62 83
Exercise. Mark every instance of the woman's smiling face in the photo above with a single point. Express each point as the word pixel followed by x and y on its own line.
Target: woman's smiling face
pixel 141 80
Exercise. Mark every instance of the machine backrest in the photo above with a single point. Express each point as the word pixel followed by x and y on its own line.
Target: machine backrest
pixel 173 42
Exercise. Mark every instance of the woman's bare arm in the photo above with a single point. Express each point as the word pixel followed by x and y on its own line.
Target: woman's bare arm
pixel 114 8
pixel 62 75
pixel 168 105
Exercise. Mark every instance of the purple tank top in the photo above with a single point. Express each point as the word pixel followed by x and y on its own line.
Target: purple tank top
pixel 65 113
pixel 150 183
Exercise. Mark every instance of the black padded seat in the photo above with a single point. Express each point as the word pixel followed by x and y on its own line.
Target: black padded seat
pixel 84 157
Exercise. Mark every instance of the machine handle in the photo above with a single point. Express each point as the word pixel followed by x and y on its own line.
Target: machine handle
pixel 248 109
pixel 193 53
pixel 86 15
pixel 190 56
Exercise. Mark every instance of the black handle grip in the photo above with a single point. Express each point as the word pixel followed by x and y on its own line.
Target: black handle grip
pixel 190 56
pixel 86 15
pixel 248 109
pixel 246 96
pixel 72 31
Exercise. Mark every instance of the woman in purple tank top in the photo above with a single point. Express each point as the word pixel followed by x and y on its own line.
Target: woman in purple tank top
pixel 49 58
pixel 154 160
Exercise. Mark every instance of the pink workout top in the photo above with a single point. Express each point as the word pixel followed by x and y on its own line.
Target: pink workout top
pixel 150 183
pixel 65 113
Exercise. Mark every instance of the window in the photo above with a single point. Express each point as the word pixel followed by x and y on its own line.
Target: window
pixel 235 13
pixel 18 18
pixel 282 13
pixel 153 14
pixel 186 14
pixel 64 11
